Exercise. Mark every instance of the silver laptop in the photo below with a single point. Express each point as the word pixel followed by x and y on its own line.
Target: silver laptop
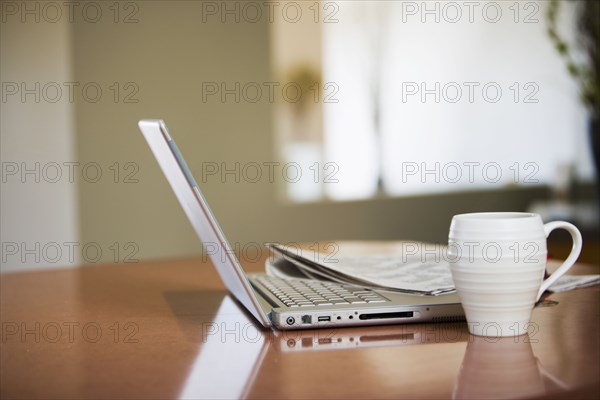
pixel 288 303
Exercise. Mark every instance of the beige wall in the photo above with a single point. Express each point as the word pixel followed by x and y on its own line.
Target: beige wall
pixel 168 54
pixel 38 209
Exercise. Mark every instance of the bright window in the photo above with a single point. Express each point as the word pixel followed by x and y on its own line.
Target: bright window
pixel 445 96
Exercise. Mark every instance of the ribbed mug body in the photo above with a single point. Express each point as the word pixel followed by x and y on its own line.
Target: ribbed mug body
pixel 497 262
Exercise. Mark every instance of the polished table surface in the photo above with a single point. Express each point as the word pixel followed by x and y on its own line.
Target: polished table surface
pixel 169 329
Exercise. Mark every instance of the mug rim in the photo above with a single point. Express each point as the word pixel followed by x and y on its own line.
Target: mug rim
pixel 498 216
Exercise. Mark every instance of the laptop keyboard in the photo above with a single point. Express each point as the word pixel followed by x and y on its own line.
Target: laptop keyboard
pixel 309 293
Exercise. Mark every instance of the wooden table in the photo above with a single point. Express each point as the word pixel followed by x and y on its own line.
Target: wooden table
pixel 168 329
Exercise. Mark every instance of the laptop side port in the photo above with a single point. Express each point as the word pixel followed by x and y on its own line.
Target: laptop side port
pixel 324 318
pixel 403 314
pixel 307 319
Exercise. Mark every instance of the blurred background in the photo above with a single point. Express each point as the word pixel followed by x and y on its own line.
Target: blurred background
pixel 301 121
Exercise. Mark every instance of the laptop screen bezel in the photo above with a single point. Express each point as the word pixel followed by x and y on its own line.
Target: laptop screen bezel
pixel 200 216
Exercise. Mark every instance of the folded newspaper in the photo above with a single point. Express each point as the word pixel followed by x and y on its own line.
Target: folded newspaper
pixel 406 273
pixel 570 282
pixel 397 272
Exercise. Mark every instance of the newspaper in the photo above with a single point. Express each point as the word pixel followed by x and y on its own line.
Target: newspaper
pixel 401 273
pixel 570 282
pixel 407 274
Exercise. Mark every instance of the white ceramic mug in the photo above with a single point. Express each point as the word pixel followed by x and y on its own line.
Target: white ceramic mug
pixel 498 261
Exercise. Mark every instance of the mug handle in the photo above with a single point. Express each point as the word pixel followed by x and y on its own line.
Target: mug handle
pixel 568 263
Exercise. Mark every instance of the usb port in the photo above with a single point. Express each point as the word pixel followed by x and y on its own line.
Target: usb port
pixel 324 319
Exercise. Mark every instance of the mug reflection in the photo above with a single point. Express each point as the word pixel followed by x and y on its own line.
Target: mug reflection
pixel 499 368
